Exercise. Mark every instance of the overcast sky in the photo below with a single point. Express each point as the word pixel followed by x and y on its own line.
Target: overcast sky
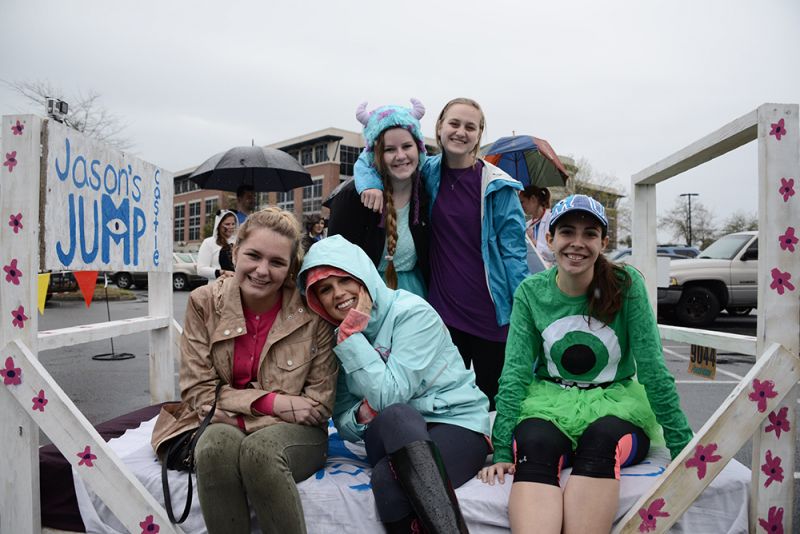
pixel 622 84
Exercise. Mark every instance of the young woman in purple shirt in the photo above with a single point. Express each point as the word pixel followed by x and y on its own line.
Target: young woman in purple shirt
pixel 477 249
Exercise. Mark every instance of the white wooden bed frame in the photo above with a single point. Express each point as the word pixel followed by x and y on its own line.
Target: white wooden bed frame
pixel 737 419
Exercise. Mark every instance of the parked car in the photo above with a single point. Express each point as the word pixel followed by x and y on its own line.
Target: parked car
pixel 671 251
pixel 184 274
pixel 723 276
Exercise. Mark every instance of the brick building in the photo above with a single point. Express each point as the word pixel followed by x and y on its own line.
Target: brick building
pixel 328 155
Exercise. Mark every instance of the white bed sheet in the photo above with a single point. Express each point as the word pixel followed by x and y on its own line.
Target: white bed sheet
pixel 338 498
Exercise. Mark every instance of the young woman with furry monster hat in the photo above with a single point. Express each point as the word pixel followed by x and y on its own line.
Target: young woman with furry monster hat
pixel 397 242
pixel 478 255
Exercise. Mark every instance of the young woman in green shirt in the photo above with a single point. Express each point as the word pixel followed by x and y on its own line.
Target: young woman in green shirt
pixel 584 382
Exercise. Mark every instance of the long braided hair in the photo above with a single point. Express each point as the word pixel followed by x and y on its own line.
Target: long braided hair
pixel 389 211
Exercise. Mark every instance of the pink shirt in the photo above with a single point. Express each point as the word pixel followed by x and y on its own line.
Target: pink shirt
pixel 247 352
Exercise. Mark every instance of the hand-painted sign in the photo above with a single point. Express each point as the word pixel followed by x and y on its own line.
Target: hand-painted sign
pixel 105 210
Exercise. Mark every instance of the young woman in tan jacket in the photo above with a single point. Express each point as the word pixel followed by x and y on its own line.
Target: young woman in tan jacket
pixel 274 358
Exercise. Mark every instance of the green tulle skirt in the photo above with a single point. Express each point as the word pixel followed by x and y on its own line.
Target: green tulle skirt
pixel 573 409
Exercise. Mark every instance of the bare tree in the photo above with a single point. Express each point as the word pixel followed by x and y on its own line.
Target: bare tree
pixel 86 113
pixel 607 189
pixel 677 220
pixel 740 221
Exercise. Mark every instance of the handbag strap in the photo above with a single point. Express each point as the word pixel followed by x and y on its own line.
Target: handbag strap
pixel 165 477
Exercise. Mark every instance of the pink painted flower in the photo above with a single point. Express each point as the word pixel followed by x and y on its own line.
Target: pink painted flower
pixel 780 281
pixel 39 401
pixel 148 526
pixel 13 274
pixel 11 160
pixel 19 317
pixel 772 468
pixel 761 392
pixel 787 188
pixel 778 422
pixel 16 129
pixel 774 522
pixel 777 129
pixel 86 457
pixel 788 240
pixel 650 514
pixel 15 222
pixel 12 376
pixel 702 456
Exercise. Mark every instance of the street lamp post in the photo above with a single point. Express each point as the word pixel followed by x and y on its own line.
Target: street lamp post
pixel 689 197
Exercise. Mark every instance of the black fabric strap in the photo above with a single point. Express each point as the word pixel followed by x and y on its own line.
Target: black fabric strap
pixel 165 476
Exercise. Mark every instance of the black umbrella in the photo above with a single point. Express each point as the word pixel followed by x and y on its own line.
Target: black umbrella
pixel 327 202
pixel 266 169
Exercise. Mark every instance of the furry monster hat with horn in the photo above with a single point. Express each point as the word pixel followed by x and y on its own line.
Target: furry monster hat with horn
pixel 385 117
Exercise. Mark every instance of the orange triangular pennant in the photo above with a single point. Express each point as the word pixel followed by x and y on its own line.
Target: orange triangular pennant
pixel 86 281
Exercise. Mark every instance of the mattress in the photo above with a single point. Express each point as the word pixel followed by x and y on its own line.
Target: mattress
pixel 338 498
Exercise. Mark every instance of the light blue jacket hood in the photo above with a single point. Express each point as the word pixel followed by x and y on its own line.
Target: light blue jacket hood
pixel 404 355
pixel 338 252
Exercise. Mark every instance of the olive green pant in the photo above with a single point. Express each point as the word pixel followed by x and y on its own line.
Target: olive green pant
pixel 263 467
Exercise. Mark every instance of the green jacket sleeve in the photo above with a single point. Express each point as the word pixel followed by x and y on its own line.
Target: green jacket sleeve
pixel 523 348
pixel 652 372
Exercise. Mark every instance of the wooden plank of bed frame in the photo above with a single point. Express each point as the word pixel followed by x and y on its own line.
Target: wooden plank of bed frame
pixel 74 335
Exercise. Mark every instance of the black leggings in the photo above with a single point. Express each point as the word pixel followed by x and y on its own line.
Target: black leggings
pixel 486 357
pixel 607 444
pixel 463 452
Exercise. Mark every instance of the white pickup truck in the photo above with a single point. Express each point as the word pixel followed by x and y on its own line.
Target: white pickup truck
pixel 723 276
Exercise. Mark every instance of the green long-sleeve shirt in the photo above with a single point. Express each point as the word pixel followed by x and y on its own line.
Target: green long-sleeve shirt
pixel 548 337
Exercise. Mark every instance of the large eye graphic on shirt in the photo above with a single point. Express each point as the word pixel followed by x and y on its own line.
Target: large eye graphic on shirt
pixel 577 350
pixel 578 359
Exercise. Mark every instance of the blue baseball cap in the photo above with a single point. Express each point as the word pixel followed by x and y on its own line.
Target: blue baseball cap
pixel 578 203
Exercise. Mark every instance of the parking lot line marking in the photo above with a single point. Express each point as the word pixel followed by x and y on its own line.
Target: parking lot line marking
pixel 686 358
pixel 729 382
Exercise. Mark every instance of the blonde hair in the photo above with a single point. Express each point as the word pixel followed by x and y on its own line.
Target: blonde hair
pixel 282 223
pixel 390 214
pixel 481 125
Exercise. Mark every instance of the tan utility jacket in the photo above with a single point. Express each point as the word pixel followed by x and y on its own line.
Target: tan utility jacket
pixel 297 359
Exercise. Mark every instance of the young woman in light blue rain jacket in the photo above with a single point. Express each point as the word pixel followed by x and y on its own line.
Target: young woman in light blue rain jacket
pixel 402 388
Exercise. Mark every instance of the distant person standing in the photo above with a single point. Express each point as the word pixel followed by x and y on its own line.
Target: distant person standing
pixel 215 255
pixel 245 202
pixel 315 226
pixel 536 203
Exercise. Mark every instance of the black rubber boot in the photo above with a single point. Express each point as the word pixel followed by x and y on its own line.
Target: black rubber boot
pixel 408 525
pixel 420 470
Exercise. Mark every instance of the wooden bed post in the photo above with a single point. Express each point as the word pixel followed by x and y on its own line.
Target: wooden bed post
pixel 764 403
pixel 773 467
pixel 644 239
pixel 19 256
